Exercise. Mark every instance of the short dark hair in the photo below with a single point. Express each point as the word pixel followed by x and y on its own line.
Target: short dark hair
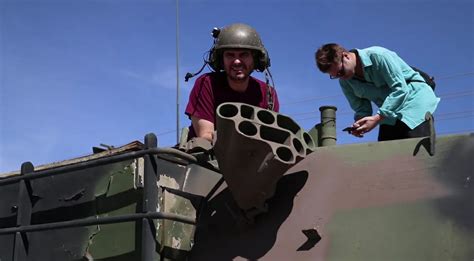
pixel 327 55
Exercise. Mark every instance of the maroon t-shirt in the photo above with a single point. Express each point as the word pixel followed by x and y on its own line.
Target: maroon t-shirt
pixel 212 89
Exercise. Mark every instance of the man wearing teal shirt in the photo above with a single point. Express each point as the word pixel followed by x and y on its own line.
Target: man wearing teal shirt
pixel 378 75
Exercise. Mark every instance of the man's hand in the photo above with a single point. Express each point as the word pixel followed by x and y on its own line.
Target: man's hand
pixel 365 125
pixel 203 128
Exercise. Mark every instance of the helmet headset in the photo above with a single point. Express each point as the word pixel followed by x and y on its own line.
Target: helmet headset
pixel 235 36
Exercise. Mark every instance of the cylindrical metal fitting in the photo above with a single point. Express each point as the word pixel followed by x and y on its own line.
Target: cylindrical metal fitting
pixel 328 125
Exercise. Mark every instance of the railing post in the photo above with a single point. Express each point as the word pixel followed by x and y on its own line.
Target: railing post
pixel 23 215
pixel 150 201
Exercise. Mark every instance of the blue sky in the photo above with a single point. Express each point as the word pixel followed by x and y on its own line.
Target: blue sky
pixel 74 74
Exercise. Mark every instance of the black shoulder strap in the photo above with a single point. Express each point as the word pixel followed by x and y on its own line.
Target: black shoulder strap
pixel 270 104
pixel 429 81
pixel 270 89
pixel 426 78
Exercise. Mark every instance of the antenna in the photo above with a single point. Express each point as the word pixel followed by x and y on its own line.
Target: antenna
pixel 177 71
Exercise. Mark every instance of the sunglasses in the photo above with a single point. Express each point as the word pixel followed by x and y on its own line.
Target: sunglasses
pixel 341 72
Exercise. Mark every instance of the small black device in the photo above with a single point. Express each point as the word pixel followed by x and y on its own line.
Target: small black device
pixel 349 129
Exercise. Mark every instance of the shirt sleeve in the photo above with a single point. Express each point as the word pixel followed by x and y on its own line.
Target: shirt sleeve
pixel 201 101
pixel 393 77
pixel 362 107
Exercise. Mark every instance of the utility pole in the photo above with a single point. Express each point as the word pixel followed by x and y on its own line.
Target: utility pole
pixel 177 71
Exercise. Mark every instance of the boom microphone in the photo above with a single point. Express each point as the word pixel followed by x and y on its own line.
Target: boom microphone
pixel 191 75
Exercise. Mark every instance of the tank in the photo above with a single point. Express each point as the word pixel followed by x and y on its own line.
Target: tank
pixel 264 189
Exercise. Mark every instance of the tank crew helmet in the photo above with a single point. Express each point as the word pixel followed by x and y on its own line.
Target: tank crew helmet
pixel 237 36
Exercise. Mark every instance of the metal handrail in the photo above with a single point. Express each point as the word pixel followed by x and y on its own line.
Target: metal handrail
pixel 97 221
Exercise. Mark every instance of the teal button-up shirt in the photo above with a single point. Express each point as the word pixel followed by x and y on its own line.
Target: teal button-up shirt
pixel 386 76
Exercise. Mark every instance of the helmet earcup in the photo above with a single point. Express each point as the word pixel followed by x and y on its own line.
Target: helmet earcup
pixel 215 59
pixel 262 61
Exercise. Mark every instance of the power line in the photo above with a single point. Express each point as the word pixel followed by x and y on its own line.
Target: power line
pixel 456 131
pixel 317 112
pixel 455 118
pixel 165 132
pixel 318 116
pixel 439 117
pixel 340 95
pixel 436 115
pixel 449 95
pixel 454 113
pixel 455 76
pixel 312 99
pixel 456 94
